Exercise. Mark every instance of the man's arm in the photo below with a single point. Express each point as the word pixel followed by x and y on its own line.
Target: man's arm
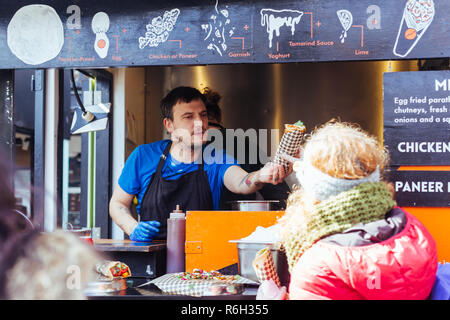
pixel 240 181
pixel 119 210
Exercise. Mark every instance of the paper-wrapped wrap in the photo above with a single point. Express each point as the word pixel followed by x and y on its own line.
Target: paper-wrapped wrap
pixel 265 267
pixel 113 269
pixel 290 143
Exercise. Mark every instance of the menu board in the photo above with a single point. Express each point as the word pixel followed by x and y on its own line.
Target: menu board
pixel 417 132
pixel 105 33
pixel 416 111
pixel 421 188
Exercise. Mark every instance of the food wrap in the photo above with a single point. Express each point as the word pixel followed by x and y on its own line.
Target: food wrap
pixel 290 143
pixel 179 284
pixel 265 267
pixel 113 269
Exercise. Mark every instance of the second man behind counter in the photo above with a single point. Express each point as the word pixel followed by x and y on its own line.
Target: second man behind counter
pixel 247 161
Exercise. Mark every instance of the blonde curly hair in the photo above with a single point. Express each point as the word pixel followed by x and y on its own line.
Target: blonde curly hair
pixel 341 150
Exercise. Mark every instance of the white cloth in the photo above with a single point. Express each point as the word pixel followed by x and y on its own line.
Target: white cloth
pixel 269 235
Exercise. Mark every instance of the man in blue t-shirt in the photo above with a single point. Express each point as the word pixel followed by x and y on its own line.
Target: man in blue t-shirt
pixel 180 171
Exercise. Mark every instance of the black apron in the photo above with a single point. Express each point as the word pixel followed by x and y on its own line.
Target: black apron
pixel 191 191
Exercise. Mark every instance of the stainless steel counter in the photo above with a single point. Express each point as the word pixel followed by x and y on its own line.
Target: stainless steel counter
pixel 152 292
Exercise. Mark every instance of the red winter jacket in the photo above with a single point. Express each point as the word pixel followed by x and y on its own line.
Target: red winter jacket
pixel 394 258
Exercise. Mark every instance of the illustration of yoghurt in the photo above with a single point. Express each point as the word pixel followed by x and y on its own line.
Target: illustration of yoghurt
pixel 417 17
pixel 275 19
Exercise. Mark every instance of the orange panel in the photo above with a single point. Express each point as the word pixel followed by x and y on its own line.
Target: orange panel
pixel 424 168
pixel 437 221
pixel 208 233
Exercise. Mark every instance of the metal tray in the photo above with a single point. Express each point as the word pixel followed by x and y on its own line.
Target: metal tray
pixel 101 286
pixel 252 205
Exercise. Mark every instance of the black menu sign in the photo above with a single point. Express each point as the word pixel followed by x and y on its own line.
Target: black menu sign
pixel 84 33
pixel 416 111
pixel 417 132
pixel 421 188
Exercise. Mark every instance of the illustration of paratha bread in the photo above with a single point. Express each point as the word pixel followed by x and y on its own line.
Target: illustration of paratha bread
pixel 417 17
pixel 35 34
pixel 346 19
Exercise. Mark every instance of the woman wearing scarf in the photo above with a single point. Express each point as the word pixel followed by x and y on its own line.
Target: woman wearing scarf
pixel 344 236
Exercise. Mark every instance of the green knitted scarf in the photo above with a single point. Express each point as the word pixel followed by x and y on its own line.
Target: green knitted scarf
pixel 364 203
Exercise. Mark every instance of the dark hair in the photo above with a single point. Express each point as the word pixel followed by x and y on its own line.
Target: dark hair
pixel 183 94
pixel 212 104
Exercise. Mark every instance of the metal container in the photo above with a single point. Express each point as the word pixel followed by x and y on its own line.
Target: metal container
pixel 253 205
pixel 84 234
pixel 101 287
pixel 247 252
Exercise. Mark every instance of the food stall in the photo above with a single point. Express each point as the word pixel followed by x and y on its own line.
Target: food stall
pixel 273 62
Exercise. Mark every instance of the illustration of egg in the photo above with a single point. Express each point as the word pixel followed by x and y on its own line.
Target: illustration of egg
pixel 100 25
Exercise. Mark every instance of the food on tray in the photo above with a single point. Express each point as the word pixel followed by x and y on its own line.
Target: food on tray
pixel 199 274
pixel 201 283
pixel 113 269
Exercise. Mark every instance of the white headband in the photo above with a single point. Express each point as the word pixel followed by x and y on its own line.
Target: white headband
pixel 323 186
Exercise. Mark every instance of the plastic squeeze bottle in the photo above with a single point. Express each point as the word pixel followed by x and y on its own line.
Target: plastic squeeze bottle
pixel 176 237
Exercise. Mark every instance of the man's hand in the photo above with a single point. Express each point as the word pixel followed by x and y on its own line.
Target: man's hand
pixel 119 210
pixel 268 290
pixel 239 181
pixel 145 231
pixel 271 173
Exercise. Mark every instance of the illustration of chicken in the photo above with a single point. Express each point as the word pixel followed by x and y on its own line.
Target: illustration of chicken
pixel 158 31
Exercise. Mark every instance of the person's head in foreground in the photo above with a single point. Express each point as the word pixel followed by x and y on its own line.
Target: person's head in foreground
pixel 344 236
pixel 36 265
pixel 46 266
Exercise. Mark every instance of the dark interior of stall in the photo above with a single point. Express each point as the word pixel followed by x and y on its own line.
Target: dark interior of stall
pixel 259 96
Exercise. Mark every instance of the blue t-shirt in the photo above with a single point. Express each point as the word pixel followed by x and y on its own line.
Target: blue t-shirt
pixel 141 165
